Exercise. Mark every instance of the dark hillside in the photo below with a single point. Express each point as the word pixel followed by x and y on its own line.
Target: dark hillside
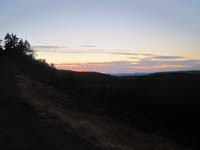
pixel 20 127
pixel 93 105
pixel 166 103
pixel 168 98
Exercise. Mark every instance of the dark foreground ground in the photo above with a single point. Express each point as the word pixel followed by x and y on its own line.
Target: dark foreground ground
pixel 44 108
pixel 22 129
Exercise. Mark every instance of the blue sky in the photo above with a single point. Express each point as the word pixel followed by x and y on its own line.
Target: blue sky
pixel 92 32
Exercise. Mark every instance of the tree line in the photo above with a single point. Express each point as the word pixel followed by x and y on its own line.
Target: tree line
pixel 14 46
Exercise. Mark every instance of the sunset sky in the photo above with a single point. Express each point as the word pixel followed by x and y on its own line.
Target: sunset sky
pixel 108 36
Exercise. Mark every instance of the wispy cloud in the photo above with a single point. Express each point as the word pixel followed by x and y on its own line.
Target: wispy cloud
pixel 131 54
pixel 88 46
pixel 58 49
pixel 46 47
pixel 167 57
pixel 151 62
pixel 159 67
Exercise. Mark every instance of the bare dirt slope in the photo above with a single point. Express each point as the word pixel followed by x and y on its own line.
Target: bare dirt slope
pixel 58 108
pixel 21 128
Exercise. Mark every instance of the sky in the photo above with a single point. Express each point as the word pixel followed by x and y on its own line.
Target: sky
pixel 108 36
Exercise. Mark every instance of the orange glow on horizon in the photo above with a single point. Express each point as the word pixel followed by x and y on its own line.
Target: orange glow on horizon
pixel 78 68
pixel 84 67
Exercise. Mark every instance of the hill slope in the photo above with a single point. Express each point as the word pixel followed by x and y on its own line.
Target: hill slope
pixel 21 127
pixel 44 108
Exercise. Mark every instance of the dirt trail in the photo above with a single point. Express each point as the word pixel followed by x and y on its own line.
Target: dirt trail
pixel 58 109
pixel 22 129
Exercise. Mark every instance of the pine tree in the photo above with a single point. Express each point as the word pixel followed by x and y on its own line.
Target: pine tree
pixel 11 42
pixel 17 47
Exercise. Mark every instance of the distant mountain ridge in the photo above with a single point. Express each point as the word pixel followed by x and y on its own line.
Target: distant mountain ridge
pixel 130 74
pixel 165 72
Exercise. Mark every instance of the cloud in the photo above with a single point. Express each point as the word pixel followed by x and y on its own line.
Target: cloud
pixel 151 62
pixel 158 67
pixel 165 63
pixel 167 57
pixel 151 57
pixel 144 65
pixel 134 62
pixel 88 46
pixel 57 49
pixel 134 58
pixel 47 47
pixel 131 54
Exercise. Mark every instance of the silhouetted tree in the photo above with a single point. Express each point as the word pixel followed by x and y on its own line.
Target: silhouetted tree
pixel 1 48
pixel 11 42
pixel 28 50
pixel 21 47
pixel 17 47
pixel 52 66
